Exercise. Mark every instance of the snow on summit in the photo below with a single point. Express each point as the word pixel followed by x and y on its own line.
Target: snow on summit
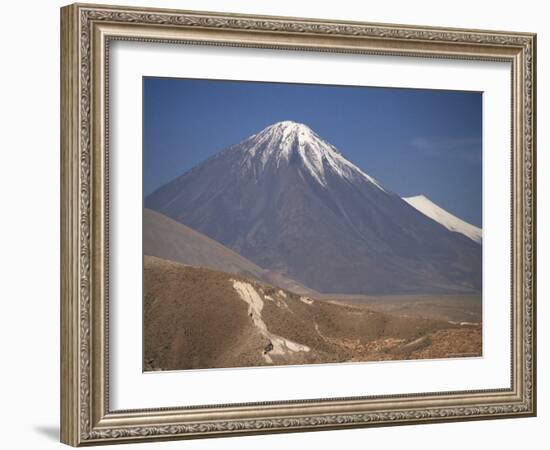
pixel 276 144
pixel 445 218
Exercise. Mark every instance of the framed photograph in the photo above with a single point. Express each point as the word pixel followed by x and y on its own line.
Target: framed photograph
pixel 276 224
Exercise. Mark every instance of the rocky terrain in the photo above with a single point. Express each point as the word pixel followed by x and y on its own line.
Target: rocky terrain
pixel 196 318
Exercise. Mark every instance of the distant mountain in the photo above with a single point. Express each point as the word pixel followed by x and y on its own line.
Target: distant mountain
pixel 445 218
pixel 290 202
pixel 165 238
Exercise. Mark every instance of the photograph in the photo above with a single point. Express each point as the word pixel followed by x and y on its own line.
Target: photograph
pixel 284 221
pixel 293 224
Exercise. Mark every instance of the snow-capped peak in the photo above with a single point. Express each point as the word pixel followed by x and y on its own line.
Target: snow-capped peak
pixel 445 218
pixel 275 144
pixel 288 127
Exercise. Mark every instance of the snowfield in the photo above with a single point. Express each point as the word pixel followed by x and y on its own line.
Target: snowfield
pixel 445 218
pixel 276 144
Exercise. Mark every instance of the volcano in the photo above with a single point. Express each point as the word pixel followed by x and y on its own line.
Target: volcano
pixel 290 202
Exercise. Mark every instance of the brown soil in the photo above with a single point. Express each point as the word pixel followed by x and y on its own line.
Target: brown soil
pixel 449 307
pixel 195 318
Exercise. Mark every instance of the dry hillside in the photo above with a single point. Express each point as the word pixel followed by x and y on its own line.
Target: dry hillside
pixel 202 318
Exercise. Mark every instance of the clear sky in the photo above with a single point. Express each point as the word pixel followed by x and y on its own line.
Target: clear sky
pixel 412 141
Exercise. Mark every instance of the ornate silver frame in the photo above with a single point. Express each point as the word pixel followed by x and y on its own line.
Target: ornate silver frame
pixel 86 31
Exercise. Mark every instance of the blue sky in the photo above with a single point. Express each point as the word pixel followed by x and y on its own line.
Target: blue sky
pixel 412 141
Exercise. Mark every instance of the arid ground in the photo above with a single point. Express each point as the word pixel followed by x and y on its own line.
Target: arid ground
pixel 196 318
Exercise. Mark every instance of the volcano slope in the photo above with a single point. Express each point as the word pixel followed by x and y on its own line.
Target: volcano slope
pixel 168 239
pixel 290 202
pixel 197 318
